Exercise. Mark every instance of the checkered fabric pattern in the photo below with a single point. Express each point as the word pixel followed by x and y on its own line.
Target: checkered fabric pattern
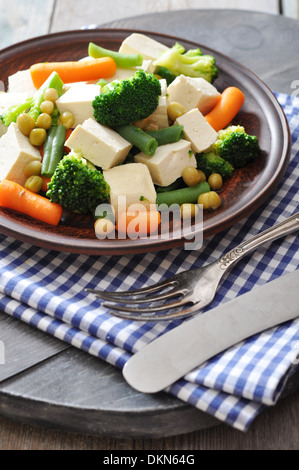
pixel 46 289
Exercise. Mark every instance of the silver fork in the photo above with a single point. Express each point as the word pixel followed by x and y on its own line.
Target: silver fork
pixel 193 290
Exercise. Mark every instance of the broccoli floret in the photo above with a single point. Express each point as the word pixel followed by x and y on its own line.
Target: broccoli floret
pixel 211 163
pixel 32 104
pixel 77 186
pixel 236 146
pixel 126 101
pixel 191 63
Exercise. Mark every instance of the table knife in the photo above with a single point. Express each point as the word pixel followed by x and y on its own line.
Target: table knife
pixel 169 357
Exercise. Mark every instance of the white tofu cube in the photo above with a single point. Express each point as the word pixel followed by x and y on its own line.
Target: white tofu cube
pixel 15 152
pixel 197 130
pixel 12 98
pixel 67 86
pixel 130 184
pixel 78 100
pixel 168 161
pixel 137 43
pixel 163 83
pixel 147 66
pixel 123 73
pixel 3 128
pixel 21 81
pixel 99 144
pixel 193 92
pixel 159 118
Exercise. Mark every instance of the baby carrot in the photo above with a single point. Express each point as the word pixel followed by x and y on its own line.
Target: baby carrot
pixel 14 196
pixel 75 71
pixel 231 101
pixel 138 223
pixel 46 181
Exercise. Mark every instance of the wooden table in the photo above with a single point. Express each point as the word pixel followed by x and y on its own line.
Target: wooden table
pixel 46 398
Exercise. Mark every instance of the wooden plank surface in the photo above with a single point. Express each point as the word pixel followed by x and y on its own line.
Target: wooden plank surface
pixel 24 347
pixel 273 430
pixel 290 8
pixel 84 12
pixel 23 19
pixel 276 428
pixel 234 36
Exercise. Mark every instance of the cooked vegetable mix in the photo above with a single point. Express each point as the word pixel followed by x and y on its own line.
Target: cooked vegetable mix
pixel 147 119
pixel 32 105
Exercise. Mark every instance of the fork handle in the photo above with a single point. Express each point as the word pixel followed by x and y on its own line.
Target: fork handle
pixel 289 225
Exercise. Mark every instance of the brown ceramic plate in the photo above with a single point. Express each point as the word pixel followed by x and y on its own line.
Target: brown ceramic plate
pixel 242 194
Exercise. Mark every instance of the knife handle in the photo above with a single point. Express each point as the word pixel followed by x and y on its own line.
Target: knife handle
pixel 289 225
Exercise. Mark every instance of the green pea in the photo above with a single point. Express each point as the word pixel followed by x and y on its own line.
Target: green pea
pixel 33 168
pixel 34 183
pixel 25 123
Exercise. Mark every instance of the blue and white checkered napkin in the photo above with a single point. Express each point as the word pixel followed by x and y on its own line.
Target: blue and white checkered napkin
pixel 47 289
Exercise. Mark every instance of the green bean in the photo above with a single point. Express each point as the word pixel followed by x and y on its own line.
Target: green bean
pixel 121 60
pixel 163 72
pixel 167 135
pixel 175 185
pixel 53 150
pixel 183 195
pixel 137 137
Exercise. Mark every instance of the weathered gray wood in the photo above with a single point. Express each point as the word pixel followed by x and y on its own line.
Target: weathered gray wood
pixel 290 8
pixel 76 392
pixel 245 37
pixel 84 12
pixel 24 19
pixel 24 346
pixel 80 393
pixel 275 429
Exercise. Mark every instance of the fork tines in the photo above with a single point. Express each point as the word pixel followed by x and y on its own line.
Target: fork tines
pixel 144 305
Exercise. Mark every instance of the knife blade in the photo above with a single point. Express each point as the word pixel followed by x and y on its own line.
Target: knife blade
pixel 169 357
